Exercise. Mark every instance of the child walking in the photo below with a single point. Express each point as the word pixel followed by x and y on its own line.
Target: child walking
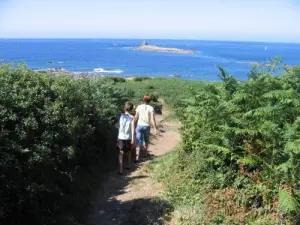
pixel 126 137
pixel 144 117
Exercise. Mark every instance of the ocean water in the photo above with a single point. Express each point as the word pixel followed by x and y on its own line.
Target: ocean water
pixel 112 56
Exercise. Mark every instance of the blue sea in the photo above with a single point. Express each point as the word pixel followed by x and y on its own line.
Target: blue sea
pixel 113 57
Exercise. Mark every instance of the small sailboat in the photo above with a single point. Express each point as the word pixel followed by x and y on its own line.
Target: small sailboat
pixel 266 48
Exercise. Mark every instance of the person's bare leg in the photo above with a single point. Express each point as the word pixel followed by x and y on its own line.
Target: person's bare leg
pixel 146 149
pixel 138 146
pixel 129 159
pixel 121 161
pixel 146 140
pixel 137 155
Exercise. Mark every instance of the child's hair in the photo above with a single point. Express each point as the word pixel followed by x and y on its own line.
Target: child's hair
pixel 147 99
pixel 128 107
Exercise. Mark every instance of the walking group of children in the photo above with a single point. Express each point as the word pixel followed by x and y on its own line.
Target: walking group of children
pixel 134 131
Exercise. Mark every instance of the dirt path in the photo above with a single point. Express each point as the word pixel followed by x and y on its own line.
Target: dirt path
pixel 129 199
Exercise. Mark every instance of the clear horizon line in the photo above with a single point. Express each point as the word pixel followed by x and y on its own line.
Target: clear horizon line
pixel 139 38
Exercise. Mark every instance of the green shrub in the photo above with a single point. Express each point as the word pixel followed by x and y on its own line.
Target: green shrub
pixel 168 91
pixel 50 128
pixel 138 79
pixel 243 137
pixel 113 79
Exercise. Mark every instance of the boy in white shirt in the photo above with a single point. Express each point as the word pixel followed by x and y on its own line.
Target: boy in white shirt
pixel 144 117
pixel 126 137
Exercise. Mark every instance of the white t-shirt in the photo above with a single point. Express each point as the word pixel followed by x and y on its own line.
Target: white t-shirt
pixel 144 114
pixel 125 130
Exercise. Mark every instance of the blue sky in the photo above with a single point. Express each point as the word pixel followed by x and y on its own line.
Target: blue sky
pixel 251 20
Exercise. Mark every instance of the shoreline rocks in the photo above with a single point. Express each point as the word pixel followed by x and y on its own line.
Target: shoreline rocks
pixel 51 70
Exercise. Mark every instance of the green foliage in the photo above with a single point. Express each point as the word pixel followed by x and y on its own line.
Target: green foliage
pixel 51 127
pixel 245 135
pixel 181 191
pixel 137 79
pixel 263 221
pixel 170 90
pixel 287 202
pixel 240 149
pixel 113 79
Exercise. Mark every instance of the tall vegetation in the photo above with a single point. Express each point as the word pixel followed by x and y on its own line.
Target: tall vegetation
pixel 171 91
pixel 241 147
pixel 50 129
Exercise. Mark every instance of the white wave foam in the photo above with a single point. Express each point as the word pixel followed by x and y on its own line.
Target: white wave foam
pixel 60 62
pixel 213 58
pixel 225 60
pixel 101 70
pixel 245 62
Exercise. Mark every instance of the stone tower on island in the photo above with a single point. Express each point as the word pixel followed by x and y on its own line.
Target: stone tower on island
pixel 144 43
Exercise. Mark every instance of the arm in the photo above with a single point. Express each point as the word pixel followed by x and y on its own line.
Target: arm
pixel 136 117
pixel 153 121
pixel 133 131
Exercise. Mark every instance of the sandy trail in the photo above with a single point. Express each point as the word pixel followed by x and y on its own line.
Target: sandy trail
pixel 129 199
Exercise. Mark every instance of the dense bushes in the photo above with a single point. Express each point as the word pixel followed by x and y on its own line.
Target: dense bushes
pixel 113 79
pixel 138 79
pixel 171 91
pixel 50 128
pixel 241 145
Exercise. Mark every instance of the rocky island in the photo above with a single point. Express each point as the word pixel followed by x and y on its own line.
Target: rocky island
pixel 146 47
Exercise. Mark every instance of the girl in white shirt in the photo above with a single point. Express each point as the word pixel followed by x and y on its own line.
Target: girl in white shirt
pixel 126 137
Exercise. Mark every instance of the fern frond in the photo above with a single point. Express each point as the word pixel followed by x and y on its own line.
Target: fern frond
pixel 218 148
pixel 250 132
pixel 287 203
pixel 293 147
pixel 281 94
pixel 223 74
pixel 249 161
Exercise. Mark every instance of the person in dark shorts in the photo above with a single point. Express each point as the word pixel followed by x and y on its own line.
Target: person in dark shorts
pixel 126 137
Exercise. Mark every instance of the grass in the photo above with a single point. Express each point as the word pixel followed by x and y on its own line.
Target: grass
pixel 172 91
pixel 192 203
pixel 180 191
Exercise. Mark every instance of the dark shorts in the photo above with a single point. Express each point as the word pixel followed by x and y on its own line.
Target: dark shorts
pixel 124 145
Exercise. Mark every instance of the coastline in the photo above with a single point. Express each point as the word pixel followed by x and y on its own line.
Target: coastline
pixel 113 57
pixel 93 74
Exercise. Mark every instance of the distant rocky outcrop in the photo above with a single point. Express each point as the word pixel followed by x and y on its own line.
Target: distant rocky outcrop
pixel 144 46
